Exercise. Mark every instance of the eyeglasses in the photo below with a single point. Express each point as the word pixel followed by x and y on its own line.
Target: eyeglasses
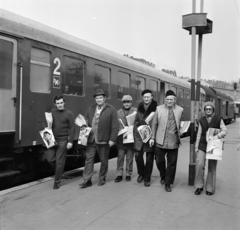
pixel 124 102
pixel 209 109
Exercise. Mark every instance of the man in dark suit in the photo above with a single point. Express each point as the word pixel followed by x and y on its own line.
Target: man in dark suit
pixel 145 108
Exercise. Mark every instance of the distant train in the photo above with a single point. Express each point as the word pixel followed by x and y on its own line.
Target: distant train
pixel 38 62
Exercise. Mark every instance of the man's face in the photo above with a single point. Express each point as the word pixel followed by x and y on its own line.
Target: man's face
pixel 208 110
pixel 60 104
pixel 170 100
pixel 100 100
pixel 47 136
pixel 147 98
pixel 127 104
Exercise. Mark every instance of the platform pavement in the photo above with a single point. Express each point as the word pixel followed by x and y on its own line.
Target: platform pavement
pixel 129 205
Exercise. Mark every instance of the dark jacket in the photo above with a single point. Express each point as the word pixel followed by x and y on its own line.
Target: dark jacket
pixel 122 116
pixel 215 123
pixel 108 123
pixel 142 114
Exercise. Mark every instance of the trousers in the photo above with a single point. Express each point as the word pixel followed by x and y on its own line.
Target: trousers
pixel 103 153
pixel 168 172
pixel 129 152
pixel 200 171
pixel 56 156
pixel 144 169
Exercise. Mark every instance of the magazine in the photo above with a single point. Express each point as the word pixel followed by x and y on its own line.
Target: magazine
pixel 80 120
pixel 83 135
pixel 128 136
pixel 184 126
pixel 122 128
pixel 211 133
pixel 214 149
pixel 131 118
pixel 49 119
pixel 48 137
pixel 150 117
pixel 145 132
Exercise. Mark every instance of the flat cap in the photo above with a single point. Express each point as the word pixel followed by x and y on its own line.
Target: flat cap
pixel 146 91
pixel 127 98
pixel 170 93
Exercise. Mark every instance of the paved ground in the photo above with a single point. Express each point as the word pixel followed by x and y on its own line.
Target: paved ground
pixel 129 205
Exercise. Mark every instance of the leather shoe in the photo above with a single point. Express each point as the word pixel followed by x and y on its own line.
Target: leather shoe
pixel 118 179
pixel 86 183
pixel 168 188
pixel 56 185
pixel 101 182
pixel 140 179
pixel 146 183
pixel 128 178
pixel 162 181
pixel 198 191
pixel 209 193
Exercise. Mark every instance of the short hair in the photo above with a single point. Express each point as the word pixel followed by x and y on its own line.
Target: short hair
pixel 58 98
pixel 146 91
pixel 46 132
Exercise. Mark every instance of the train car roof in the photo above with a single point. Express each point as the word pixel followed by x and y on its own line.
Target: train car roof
pixel 209 91
pixel 18 26
pixel 220 94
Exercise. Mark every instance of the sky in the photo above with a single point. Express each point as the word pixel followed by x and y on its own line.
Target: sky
pixel 149 29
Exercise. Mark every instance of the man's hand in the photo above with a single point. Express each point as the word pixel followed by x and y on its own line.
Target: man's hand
pixel 69 145
pixel 111 143
pixel 151 142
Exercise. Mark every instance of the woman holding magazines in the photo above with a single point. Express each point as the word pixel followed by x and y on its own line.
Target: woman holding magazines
pixel 207 122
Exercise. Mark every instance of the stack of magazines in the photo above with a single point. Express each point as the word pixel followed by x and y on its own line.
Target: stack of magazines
pixel 46 133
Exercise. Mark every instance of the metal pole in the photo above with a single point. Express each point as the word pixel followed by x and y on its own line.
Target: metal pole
pixel 192 136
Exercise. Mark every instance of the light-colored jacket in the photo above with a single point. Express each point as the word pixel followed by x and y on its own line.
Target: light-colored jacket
pixel 159 123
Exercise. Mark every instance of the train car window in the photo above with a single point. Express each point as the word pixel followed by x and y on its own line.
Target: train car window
pixel 102 77
pixel 167 87
pixel 123 84
pixel 154 88
pixel 40 80
pixel 187 98
pixel 141 85
pixel 6 62
pixel 73 77
pixel 180 100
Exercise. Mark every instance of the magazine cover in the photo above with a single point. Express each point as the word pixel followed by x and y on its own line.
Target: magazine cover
pixel 211 133
pixel 128 136
pixel 48 137
pixel 145 132
pixel 83 135
pixel 214 149
pixel 184 126
pixel 122 128
pixel 49 119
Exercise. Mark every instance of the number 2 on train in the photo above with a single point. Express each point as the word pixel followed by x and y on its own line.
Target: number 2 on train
pixel 56 72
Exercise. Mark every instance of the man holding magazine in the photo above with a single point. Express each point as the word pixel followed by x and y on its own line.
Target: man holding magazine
pixel 125 147
pixel 166 134
pixel 63 131
pixel 102 118
pixel 145 109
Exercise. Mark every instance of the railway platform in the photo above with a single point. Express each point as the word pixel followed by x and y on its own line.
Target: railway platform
pixel 129 205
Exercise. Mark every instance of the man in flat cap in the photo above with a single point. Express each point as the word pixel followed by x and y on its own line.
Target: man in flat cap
pixel 145 108
pixel 125 148
pixel 102 117
pixel 166 136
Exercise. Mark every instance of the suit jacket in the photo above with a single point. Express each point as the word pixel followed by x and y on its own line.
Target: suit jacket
pixel 159 122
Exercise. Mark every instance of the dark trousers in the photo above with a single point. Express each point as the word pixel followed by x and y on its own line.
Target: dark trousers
pixel 56 156
pixel 168 172
pixel 144 169
pixel 103 153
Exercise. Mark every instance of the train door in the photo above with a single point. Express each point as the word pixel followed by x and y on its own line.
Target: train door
pixel 8 66
pixel 154 88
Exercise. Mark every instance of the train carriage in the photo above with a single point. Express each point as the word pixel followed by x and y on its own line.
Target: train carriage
pixel 39 62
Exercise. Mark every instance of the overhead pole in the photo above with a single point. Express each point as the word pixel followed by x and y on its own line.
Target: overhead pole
pixel 199 67
pixel 192 125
